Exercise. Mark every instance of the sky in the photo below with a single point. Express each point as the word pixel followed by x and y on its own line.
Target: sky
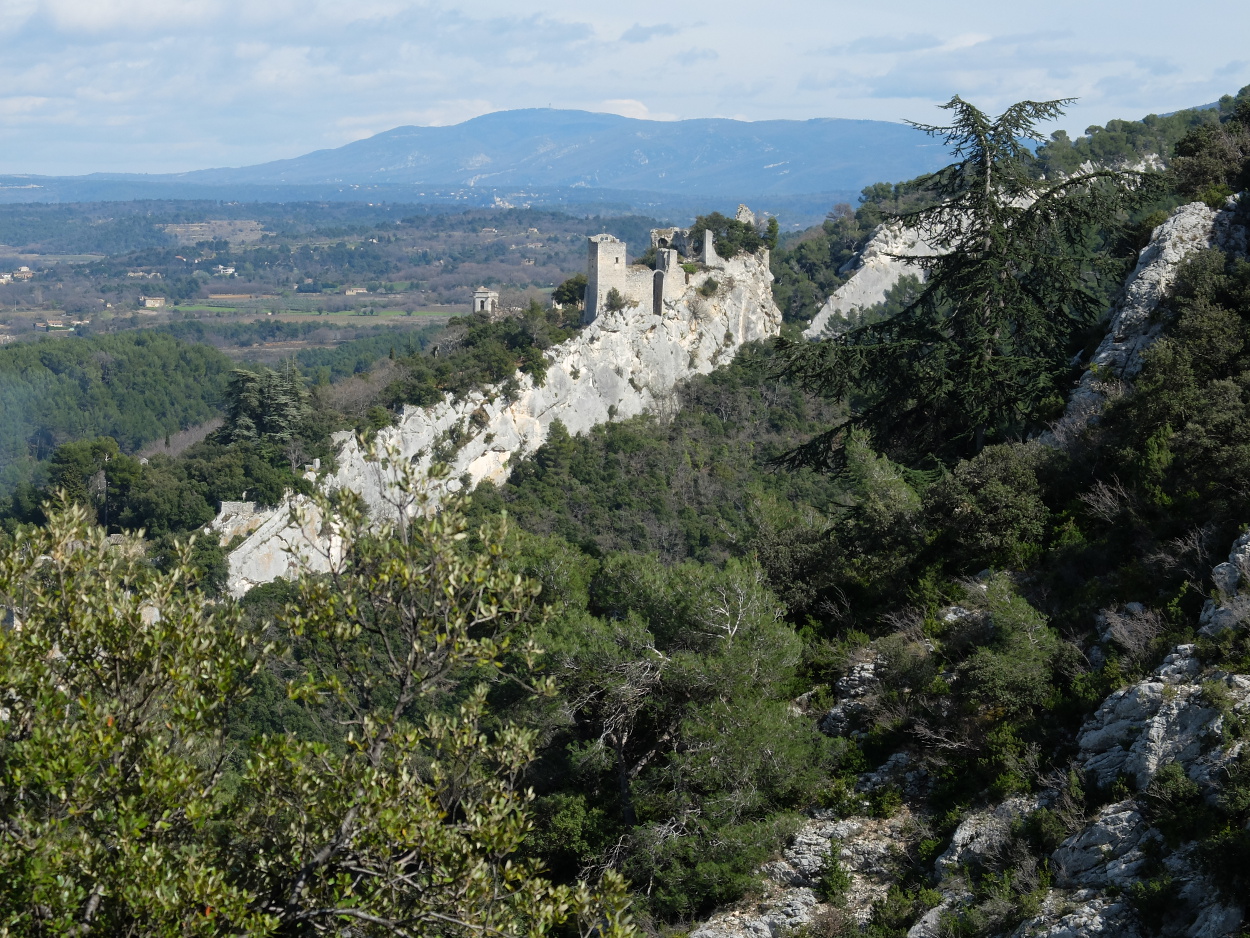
pixel 171 85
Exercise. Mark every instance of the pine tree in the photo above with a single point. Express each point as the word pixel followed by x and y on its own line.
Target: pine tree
pixel 981 353
pixel 265 404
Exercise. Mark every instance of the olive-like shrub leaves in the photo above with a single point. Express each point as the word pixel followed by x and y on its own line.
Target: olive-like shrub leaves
pixel 125 808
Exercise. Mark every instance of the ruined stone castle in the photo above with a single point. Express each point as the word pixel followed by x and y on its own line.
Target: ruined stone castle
pixel 688 316
pixel 648 290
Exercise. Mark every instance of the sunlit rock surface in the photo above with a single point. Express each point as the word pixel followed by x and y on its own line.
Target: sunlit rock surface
pixel 622 364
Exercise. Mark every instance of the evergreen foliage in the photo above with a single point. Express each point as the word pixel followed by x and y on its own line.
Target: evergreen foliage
pixel 265 405
pixel 570 292
pixel 653 642
pixel 125 812
pixel 135 387
pixel 476 351
pixel 730 237
pixel 810 266
pixel 1122 142
pixel 979 356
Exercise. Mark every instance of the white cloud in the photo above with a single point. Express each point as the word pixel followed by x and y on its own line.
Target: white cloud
pixel 637 33
pixel 162 85
pixel 627 107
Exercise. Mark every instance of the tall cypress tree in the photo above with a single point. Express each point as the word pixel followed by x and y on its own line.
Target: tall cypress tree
pixel 980 355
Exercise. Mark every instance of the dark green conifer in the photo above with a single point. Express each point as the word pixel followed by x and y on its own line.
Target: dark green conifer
pixel 981 354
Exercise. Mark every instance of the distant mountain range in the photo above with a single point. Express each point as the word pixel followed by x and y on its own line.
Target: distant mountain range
pixel 543 156
pixel 554 148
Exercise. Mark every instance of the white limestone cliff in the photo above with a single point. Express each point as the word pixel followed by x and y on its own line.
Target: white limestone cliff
pixel 876 269
pixel 1134 325
pixel 622 364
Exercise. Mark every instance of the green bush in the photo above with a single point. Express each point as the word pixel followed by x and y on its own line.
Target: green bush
pixel 990 509
pixel 835 881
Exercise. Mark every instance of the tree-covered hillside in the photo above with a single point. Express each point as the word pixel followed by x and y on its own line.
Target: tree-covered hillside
pixel 935 673
pixel 810 265
pixel 1124 142
pixel 134 387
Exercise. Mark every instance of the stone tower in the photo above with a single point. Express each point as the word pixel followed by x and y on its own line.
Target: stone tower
pixel 485 301
pixel 605 271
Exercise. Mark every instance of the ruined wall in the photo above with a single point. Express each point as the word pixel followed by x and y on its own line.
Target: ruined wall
pixel 622 364
pixel 606 266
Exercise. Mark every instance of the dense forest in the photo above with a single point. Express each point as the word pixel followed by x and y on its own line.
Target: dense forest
pixel 598 698
pixel 131 387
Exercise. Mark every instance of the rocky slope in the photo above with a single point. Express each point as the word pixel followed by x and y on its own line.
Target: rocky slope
pixel 877 268
pixel 1186 715
pixel 623 364
pixel 1179 714
pixel 1134 325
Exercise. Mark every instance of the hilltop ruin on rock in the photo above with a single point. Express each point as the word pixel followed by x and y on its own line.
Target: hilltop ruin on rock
pixel 646 331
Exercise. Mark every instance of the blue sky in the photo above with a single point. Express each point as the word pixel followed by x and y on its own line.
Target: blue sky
pixel 168 85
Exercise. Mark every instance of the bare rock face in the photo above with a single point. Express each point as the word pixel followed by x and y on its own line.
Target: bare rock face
pixel 1141 728
pixel 982 834
pixel 1166 718
pixel 853 689
pixel 1109 851
pixel 623 364
pixel 1134 327
pixel 1092 915
pixel 866 848
pixel 1169 716
pixel 877 268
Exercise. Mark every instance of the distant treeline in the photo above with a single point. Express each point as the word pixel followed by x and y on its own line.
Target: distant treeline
pixel 349 356
pixel 72 229
pixel 115 228
pixel 134 387
pixel 1126 142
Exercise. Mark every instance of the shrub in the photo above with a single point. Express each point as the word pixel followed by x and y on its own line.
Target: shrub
pixel 835 881
pixel 990 509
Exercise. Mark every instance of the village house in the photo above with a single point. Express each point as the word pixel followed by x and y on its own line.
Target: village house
pixel 23 273
pixel 152 302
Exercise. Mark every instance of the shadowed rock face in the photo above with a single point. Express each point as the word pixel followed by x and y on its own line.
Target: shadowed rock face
pixel 623 364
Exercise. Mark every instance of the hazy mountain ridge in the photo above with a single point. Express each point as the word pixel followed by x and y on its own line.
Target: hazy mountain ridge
pixel 557 148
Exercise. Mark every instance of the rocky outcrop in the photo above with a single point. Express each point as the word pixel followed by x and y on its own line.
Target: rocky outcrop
pixel 623 364
pixel 875 270
pixel 982 834
pixel 867 849
pixel 1134 325
pixel 1168 718
pixel 1175 715
pixel 854 689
